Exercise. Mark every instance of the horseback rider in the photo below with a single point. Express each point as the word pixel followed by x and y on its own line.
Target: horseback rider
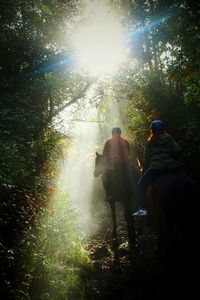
pixel 116 151
pixel 160 154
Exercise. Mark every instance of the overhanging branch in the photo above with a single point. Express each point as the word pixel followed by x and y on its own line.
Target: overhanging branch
pixel 76 98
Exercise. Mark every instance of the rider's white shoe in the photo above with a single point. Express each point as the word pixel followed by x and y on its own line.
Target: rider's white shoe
pixel 140 212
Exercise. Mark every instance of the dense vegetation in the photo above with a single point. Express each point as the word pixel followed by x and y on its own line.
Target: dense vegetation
pixel 162 81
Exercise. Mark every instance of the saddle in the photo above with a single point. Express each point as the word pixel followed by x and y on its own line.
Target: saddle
pixel 169 182
pixel 176 181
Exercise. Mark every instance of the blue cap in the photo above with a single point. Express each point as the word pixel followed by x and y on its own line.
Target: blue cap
pixel 157 125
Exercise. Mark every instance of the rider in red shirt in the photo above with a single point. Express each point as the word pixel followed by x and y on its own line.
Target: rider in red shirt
pixel 116 151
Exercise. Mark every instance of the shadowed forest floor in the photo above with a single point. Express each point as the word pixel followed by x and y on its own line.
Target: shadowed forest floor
pixel 140 276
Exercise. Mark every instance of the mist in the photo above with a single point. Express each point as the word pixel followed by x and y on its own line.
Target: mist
pixel 88 130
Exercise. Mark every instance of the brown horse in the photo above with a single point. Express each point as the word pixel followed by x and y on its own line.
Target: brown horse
pixel 173 208
pixel 122 183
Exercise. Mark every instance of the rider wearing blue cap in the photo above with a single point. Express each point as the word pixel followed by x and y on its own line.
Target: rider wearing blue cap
pixel 160 153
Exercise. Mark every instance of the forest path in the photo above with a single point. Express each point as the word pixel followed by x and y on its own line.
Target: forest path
pixel 139 276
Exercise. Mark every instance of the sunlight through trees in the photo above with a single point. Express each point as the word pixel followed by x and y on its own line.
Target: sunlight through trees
pixel 70 71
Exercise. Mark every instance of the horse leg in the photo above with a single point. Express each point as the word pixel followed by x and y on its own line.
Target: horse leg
pixel 130 224
pixel 114 229
pixel 161 244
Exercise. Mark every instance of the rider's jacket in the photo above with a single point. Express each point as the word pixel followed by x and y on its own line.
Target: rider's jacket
pixel 116 149
pixel 162 153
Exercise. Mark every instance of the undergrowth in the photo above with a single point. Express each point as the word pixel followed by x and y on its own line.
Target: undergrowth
pixel 59 257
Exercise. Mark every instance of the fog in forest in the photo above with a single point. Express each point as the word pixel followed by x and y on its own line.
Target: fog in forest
pixel 88 130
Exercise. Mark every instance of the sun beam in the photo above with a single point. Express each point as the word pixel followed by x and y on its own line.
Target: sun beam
pixel 98 41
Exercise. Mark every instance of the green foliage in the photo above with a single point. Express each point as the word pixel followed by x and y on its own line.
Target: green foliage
pixel 164 80
pixel 34 86
pixel 42 248
pixel 59 256
pixel 33 89
pixel 192 92
pixel 41 253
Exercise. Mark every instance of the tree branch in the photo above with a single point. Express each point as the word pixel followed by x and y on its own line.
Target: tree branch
pixel 79 96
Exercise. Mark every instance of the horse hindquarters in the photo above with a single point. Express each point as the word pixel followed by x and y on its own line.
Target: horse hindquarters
pixel 168 200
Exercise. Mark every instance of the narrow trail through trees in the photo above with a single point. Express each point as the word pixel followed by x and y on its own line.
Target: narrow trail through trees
pixel 136 275
pixel 140 276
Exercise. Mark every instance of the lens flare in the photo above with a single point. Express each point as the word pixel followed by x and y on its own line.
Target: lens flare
pixel 99 42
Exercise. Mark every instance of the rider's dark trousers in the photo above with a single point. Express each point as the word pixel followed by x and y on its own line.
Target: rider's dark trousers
pixel 146 180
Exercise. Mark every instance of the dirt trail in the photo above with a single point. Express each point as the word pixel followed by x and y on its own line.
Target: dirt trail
pixel 139 276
